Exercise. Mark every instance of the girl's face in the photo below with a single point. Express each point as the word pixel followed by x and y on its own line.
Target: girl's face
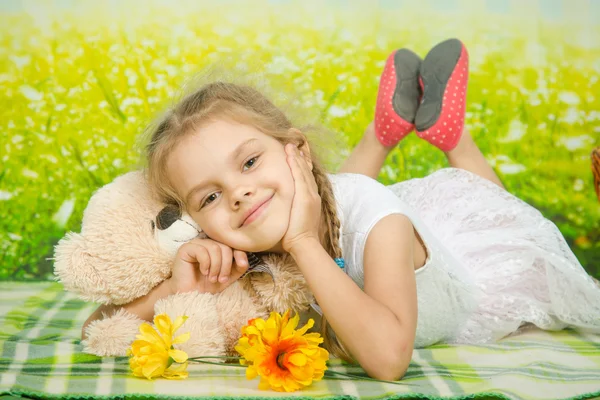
pixel 236 184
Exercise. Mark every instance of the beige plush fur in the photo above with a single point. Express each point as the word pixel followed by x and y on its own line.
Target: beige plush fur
pixel 125 249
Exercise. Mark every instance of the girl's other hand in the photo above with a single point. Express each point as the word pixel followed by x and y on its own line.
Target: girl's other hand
pixel 206 266
pixel 305 215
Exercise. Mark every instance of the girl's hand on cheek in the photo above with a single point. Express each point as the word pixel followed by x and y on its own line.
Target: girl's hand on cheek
pixel 305 215
pixel 206 266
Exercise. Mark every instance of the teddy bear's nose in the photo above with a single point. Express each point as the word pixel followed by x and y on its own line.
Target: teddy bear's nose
pixel 167 216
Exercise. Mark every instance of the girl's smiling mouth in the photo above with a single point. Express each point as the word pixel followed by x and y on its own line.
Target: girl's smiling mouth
pixel 256 211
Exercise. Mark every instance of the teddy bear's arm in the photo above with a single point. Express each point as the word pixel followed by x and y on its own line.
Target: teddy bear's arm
pixel 111 335
pixel 100 313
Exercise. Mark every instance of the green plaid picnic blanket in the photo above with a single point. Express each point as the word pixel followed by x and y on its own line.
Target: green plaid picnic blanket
pixel 40 327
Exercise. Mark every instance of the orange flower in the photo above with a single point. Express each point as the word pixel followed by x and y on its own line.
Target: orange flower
pixel 286 359
pixel 152 355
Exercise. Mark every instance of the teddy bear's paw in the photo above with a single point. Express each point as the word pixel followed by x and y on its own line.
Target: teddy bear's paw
pixel 112 335
pixel 206 334
pixel 287 289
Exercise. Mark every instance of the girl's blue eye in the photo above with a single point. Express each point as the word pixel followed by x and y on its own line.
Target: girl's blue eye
pixel 211 197
pixel 250 163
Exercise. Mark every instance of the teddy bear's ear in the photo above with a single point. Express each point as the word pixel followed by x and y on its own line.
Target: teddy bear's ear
pixel 74 268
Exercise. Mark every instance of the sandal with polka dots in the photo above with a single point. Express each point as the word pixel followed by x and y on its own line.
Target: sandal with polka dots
pixel 444 74
pixel 398 97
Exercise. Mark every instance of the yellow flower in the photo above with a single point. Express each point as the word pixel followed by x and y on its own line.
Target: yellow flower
pixel 152 354
pixel 286 359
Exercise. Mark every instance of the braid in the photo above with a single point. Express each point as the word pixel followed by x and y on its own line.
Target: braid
pixel 329 212
pixel 332 246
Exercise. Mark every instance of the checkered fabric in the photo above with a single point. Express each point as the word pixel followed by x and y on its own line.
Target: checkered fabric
pixel 41 357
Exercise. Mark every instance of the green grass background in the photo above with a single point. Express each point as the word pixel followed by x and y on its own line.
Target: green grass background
pixel 79 82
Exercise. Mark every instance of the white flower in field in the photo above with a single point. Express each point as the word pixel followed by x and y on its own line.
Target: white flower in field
pixel 516 131
pixel 44 138
pixel 20 61
pixel 31 93
pixel 128 101
pixel 4 195
pixel 578 186
pixel 117 163
pixel 576 142
pixel 568 97
pixel 60 107
pixel 338 112
pixel 17 139
pixel 571 116
pixel 50 158
pixel 29 173
pixel 281 64
pixel 500 157
pixel 64 212
pixel 510 169
pixel 592 116
pixel 148 43
pixel 14 236
pixel 131 76
pixel 390 172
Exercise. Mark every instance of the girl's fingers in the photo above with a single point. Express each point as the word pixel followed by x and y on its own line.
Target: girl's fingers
pixel 294 164
pixel 227 260
pixel 203 258
pixel 307 175
pixel 241 261
pixel 215 262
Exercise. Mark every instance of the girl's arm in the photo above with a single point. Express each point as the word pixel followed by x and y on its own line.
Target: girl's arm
pixel 201 265
pixel 378 325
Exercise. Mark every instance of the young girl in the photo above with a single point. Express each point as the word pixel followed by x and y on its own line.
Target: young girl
pixel 451 257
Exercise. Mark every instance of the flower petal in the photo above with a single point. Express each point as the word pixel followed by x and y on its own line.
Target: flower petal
pixel 179 372
pixel 264 384
pixel 298 359
pixel 154 367
pixel 178 355
pixel 251 373
pixel 290 326
pixel 306 327
pixel 181 338
pixel 150 335
pixel 178 322
pixel 164 326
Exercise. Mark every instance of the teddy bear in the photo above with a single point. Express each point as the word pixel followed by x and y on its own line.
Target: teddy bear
pixel 127 246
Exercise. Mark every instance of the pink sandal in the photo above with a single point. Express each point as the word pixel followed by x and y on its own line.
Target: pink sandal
pixel 398 97
pixel 440 118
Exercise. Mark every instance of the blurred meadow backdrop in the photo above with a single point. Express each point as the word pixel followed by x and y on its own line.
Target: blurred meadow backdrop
pixel 79 81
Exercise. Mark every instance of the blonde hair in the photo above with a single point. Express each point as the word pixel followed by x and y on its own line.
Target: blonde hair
pixel 245 105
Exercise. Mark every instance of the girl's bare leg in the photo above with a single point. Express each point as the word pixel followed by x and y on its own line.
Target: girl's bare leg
pixel 368 157
pixel 466 155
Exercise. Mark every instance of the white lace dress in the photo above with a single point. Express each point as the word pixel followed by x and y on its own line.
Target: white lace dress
pixel 494 262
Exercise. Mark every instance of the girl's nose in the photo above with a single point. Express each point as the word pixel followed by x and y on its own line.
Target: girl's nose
pixel 241 195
